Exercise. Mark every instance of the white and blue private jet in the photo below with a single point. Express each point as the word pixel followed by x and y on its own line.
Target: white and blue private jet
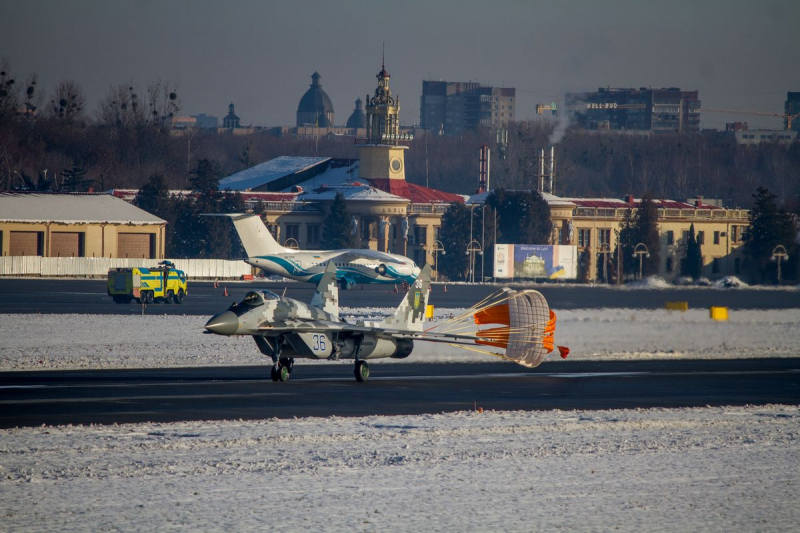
pixel 352 265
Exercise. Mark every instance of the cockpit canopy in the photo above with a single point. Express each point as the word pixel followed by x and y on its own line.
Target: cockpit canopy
pixel 256 298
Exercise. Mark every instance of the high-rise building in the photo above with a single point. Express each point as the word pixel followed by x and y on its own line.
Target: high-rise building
pixel 449 108
pixel 792 107
pixel 666 110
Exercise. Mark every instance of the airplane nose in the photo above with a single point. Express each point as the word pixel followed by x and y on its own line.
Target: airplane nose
pixel 226 323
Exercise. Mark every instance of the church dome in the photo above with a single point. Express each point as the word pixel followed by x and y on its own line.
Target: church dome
pixel 358 119
pixel 314 103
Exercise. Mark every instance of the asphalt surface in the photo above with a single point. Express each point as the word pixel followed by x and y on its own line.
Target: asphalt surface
pixel 127 396
pixel 89 296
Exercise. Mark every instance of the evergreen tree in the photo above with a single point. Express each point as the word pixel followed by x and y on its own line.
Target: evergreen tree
pixel 769 227
pixel 640 227
pixel 337 231
pixel 185 232
pixel 205 179
pixel 153 197
pixel 207 237
pixel 523 217
pixel 233 202
pixel 692 264
pixel 627 241
pixel 454 235
pixel 647 229
pixel 74 178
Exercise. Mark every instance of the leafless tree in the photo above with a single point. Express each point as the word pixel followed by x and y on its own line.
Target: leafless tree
pixel 69 102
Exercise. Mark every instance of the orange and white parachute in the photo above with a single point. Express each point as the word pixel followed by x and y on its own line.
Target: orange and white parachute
pixel 520 323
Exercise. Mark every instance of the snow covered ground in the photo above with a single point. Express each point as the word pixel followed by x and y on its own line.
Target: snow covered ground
pixel 152 341
pixel 710 469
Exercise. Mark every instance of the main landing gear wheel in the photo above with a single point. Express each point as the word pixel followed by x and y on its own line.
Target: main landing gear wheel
pixel 283 371
pixel 362 371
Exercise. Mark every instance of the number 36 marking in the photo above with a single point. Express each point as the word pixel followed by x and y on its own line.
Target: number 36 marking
pixel 319 343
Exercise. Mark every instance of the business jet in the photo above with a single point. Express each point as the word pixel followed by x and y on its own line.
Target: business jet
pixel 352 265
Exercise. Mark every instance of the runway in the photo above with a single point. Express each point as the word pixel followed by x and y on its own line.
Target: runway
pixel 322 390
pixel 89 296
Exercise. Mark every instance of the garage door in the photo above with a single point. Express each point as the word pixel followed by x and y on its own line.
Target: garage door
pixel 63 244
pixel 26 243
pixel 139 245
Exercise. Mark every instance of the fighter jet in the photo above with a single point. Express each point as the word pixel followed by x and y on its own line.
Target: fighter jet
pixel 522 325
pixel 285 329
pixel 352 265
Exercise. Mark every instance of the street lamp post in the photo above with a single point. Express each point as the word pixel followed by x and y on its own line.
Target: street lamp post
pixel 641 250
pixel 437 247
pixel 605 249
pixel 472 247
pixel 779 254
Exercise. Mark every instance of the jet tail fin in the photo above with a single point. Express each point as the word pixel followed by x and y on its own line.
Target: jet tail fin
pixel 326 297
pixel 410 314
pixel 256 238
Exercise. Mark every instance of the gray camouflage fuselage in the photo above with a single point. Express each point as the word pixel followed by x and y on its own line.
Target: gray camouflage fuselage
pixel 296 329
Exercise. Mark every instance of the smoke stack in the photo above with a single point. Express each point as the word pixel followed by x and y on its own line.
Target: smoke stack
pixel 629 198
pixel 483 172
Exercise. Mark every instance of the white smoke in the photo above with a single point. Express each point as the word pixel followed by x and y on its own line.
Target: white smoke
pixel 564 117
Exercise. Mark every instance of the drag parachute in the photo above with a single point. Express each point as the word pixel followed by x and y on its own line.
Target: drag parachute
pixel 520 323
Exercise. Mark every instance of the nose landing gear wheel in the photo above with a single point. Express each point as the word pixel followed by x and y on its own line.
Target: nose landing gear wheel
pixel 362 371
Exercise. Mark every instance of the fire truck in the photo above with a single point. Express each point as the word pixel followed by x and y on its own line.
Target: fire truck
pixel 164 283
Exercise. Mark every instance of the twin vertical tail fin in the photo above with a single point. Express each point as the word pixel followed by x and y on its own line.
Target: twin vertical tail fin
pixel 326 297
pixel 410 314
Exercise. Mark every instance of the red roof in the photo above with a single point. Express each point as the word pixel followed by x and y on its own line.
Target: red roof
pixel 601 203
pixel 416 193
pixel 612 203
pixel 269 196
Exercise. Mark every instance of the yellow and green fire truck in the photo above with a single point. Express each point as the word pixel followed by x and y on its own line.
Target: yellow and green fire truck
pixel 164 283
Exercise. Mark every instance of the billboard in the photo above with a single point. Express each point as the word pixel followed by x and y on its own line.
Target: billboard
pixel 535 261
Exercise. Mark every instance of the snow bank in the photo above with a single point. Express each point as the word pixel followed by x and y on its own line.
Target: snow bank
pixel 154 341
pixel 711 469
pixel 652 282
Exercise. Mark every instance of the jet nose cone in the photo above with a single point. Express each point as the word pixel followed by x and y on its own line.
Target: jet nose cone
pixel 226 323
pixel 415 270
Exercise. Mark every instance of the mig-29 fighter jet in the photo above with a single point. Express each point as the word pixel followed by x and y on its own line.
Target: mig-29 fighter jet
pixel 523 326
pixel 285 329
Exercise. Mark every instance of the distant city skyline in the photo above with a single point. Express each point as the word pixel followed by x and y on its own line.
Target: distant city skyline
pixel 260 55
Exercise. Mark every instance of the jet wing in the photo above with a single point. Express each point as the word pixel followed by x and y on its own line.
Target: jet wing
pixel 308 326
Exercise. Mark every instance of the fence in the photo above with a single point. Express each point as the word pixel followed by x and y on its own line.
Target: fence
pixel 86 267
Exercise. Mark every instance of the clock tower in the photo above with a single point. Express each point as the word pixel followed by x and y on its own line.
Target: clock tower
pixel 381 155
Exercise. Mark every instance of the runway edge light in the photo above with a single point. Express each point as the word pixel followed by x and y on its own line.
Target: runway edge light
pixel 719 313
pixel 677 306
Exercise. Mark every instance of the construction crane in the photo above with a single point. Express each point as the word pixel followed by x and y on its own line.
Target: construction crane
pixel 787 118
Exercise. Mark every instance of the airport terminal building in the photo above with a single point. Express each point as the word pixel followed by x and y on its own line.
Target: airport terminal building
pixel 388 213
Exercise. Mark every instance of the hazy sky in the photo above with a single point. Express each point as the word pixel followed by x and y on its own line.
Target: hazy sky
pixel 260 54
